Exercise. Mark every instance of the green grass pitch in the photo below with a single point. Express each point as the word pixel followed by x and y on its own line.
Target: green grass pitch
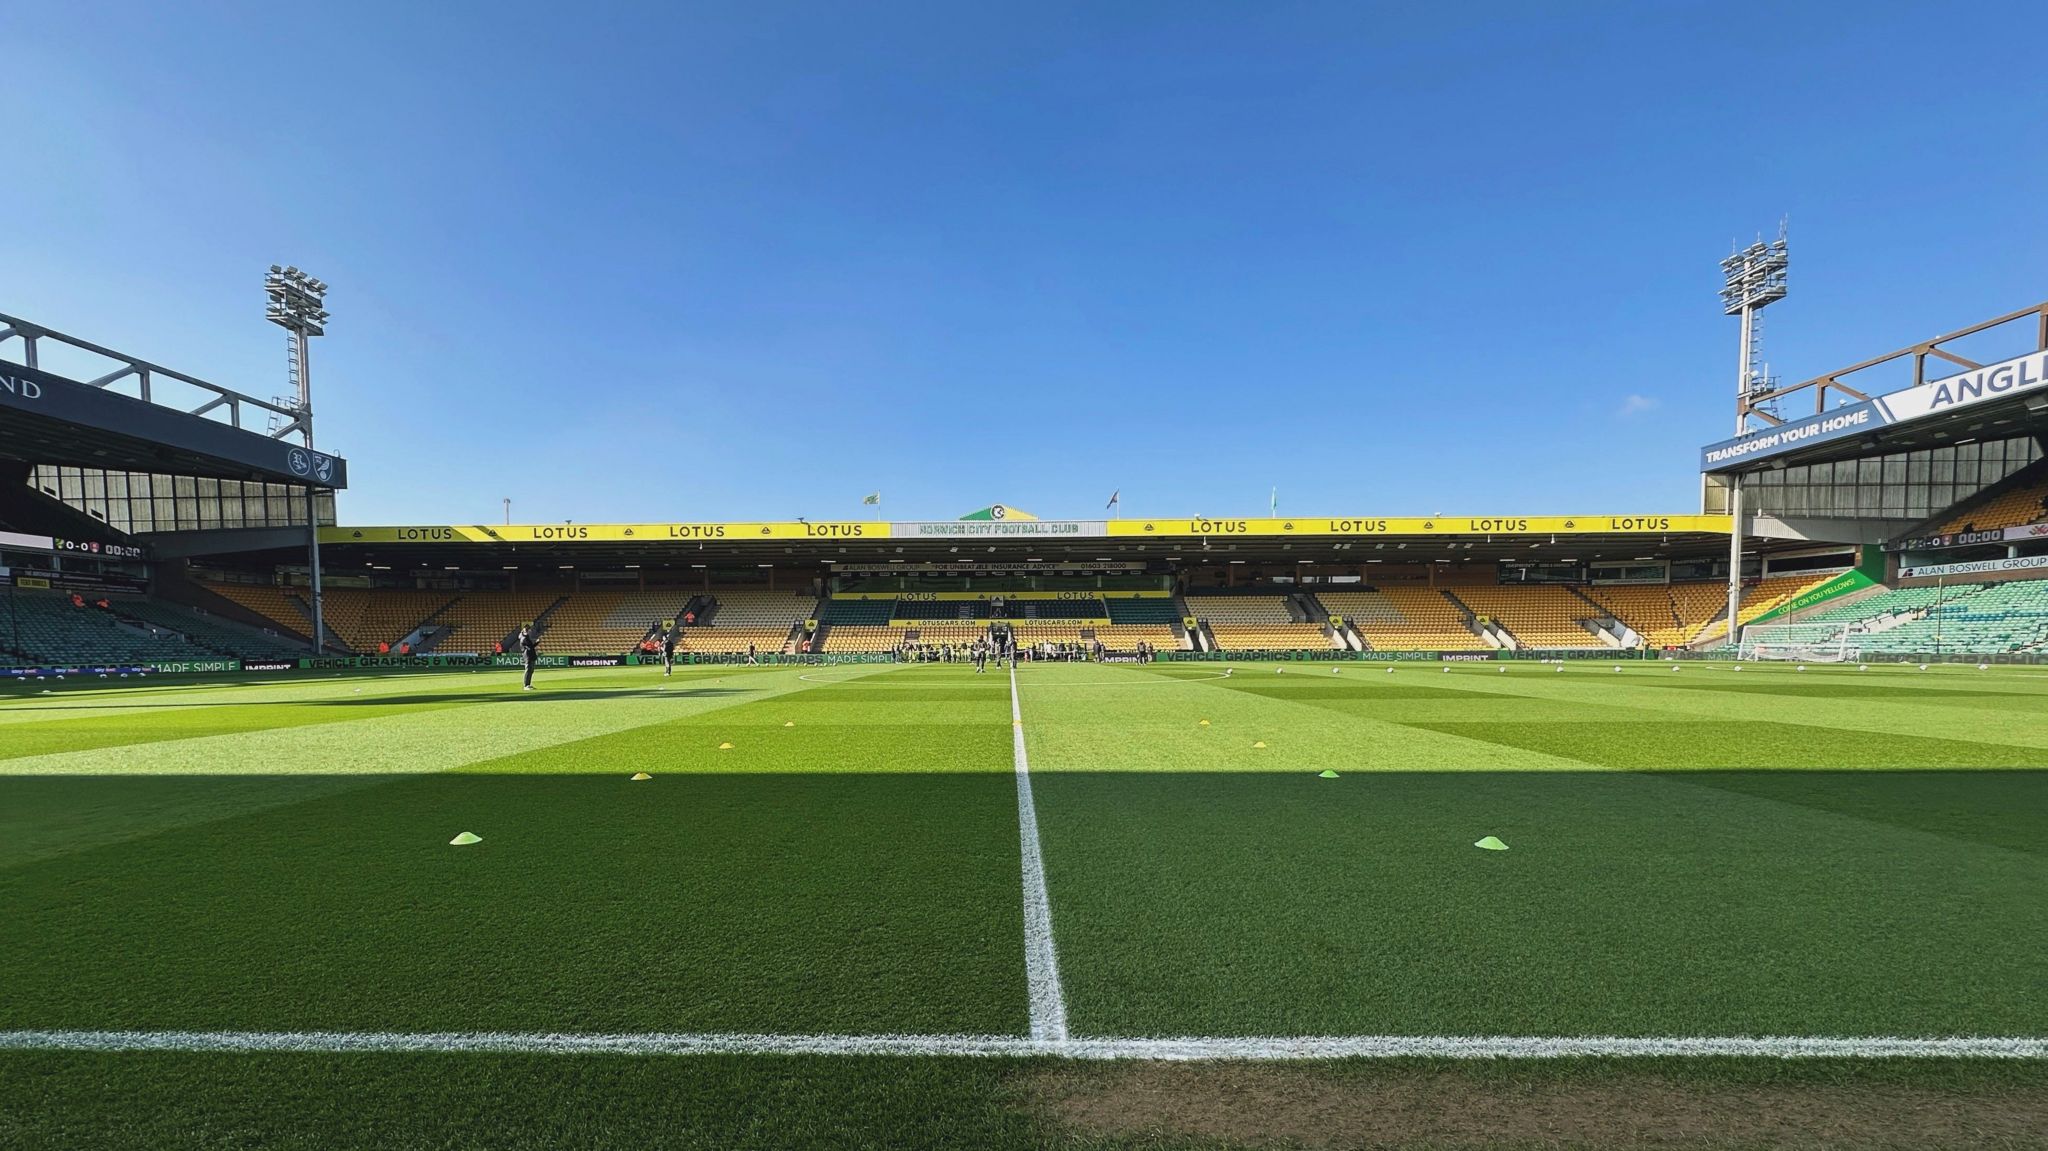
pixel 835 851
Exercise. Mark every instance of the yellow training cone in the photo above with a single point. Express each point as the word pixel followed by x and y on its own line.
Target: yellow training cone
pixel 1260 743
pixel 641 775
pixel 725 747
pixel 789 723
pixel 465 839
pixel 1203 723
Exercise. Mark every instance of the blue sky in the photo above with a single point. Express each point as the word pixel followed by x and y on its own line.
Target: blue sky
pixel 1390 259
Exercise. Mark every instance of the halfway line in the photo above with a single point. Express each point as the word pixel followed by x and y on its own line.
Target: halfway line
pixel 1190 1049
pixel 1041 963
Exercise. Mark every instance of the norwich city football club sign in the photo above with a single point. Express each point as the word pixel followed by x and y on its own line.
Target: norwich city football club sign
pixel 997 529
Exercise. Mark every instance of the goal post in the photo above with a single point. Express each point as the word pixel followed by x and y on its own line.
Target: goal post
pixel 1801 643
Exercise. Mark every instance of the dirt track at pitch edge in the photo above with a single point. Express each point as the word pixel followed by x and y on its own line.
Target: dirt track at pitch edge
pixel 1352 1108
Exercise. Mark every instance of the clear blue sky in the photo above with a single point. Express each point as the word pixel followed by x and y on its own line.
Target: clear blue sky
pixel 1393 260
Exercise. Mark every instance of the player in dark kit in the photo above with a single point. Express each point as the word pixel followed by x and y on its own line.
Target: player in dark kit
pixel 668 653
pixel 980 657
pixel 529 648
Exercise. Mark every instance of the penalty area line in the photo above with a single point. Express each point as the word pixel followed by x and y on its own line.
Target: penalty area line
pixel 1194 1049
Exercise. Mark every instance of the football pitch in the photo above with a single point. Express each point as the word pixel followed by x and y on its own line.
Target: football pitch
pixel 231 914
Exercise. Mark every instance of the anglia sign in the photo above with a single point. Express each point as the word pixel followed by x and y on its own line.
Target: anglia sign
pixel 2016 376
pixel 19 385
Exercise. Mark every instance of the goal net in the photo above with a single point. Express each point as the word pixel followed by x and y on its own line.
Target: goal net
pixel 1802 642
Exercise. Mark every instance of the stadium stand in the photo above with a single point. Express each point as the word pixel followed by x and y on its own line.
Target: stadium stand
pixel 364 618
pixel 1650 609
pixel 951 632
pixel 1536 615
pixel 576 626
pixel 481 620
pixel 736 619
pixel 856 637
pixel 1141 619
pixel 1030 609
pixel 611 622
pixel 940 609
pixel 272 603
pixel 856 625
pixel 1665 615
pixel 972 609
pixel 1765 595
pixel 1141 610
pixel 1127 636
pixel 1257 623
pixel 1034 631
pixel 1891 601
pixel 1403 619
pixel 1698 604
pixel 2015 507
pixel 857 612
pixel 1980 619
pixel 223 637
pixel 47 628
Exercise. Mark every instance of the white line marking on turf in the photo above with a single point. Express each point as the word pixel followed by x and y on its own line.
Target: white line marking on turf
pixel 1135 681
pixel 1041 962
pixel 1178 1050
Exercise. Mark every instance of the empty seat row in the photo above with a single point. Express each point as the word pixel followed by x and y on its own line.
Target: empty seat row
pixel 1543 616
pixel 1403 619
pixel 1272 636
pixel 1240 609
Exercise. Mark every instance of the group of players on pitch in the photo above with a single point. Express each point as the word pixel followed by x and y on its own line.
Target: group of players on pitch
pixel 666 643
pixel 977 652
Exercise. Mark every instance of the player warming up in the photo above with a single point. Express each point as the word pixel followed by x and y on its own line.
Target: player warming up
pixel 529 651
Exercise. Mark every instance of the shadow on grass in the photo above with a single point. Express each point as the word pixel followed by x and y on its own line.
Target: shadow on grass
pixel 820 903
pixel 509 693
pixel 1726 902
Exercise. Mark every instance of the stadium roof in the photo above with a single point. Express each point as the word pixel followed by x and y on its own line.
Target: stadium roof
pixel 1981 402
pixel 48 419
pixel 1076 543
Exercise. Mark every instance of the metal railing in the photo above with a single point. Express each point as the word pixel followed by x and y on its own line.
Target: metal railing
pixel 1752 403
pixel 267 418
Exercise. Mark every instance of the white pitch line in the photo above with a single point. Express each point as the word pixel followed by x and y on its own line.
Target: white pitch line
pixel 1190 1049
pixel 1041 962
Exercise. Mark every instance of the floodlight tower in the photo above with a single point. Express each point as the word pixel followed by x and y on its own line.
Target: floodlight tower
pixel 297 303
pixel 1752 279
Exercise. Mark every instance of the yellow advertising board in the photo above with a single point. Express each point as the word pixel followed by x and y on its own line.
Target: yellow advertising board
pixel 976 596
pixel 602 533
pixel 1155 528
pixel 1422 526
